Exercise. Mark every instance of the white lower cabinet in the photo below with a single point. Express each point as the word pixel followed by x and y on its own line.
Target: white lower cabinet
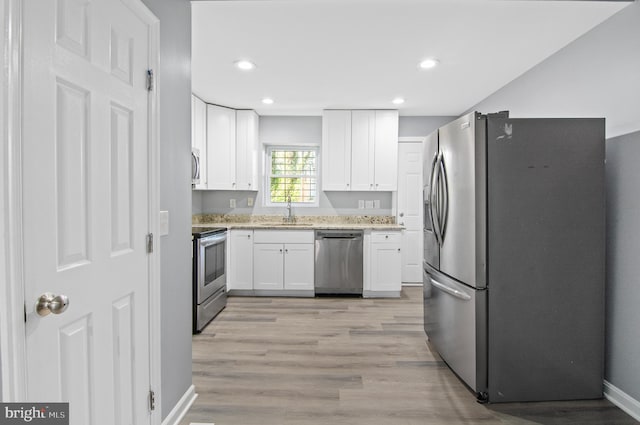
pixel 298 267
pixel 384 269
pixel 268 266
pixel 283 261
pixel 240 276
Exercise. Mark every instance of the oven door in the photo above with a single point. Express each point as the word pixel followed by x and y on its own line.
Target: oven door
pixel 211 265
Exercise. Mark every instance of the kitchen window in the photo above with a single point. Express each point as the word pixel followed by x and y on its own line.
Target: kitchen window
pixel 292 172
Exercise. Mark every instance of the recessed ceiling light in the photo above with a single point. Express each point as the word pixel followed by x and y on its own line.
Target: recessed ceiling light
pixel 267 101
pixel 398 101
pixel 429 63
pixel 245 65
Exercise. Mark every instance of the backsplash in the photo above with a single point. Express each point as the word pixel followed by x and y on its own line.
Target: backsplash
pixel 304 219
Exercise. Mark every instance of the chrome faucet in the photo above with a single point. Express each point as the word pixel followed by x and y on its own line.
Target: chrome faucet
pixel 289 218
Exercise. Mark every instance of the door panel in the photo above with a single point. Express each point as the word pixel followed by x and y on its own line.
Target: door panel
pixel 410 209
pixel 268 266
pixel 85 207
pixel 298 267
pixel 221 152
pixel 386 150
pixel 363 129
pixel 458 150
pixel 336 150
pixel 386 267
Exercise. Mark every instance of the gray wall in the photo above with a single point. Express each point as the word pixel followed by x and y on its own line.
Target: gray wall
pixel 599 75
pixel 623 267
pixel 278 130
pixel 175 168
pixel 421 126
pixel 595 76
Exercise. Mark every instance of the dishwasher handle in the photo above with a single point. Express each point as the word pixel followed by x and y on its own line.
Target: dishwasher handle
pixel 353 236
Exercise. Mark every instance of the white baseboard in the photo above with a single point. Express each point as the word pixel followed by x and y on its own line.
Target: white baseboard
pixel 411 284
pixel 182 407
pixel 623 400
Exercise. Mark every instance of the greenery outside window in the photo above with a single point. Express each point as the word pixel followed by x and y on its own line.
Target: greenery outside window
pixel 292 172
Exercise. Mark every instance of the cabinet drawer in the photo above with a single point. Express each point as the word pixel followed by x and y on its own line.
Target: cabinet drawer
pixel 283 236
pixel 385 237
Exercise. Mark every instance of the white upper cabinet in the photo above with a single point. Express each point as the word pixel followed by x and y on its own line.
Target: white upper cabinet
pixel 336 150
pixel 246 150
pixel 228 143
pixel 199 136
pixel 386 151
pixel 363 132
pixel 360 150
pixel 221 148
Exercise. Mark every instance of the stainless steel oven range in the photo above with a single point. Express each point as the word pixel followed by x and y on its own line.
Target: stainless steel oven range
pixel 209 274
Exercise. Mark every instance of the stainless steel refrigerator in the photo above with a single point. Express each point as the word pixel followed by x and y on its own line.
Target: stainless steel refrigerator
pixel 514 257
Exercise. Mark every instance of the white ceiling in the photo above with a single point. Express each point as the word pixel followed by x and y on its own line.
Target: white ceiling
pixel 318 54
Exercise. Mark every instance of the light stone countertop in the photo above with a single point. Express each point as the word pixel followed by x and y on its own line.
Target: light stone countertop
pixel 303 226
pixel 274 222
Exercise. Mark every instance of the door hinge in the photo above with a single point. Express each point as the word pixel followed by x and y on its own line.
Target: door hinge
pixel 150 80
pixel 150 243
pixel 152 400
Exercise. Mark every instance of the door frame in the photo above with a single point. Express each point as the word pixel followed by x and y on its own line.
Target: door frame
pixel 12 286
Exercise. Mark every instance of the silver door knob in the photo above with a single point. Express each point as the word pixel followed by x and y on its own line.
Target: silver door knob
pixel 401 214
pixel 50 303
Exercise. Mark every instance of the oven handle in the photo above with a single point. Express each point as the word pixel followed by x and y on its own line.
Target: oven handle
pixel 212 240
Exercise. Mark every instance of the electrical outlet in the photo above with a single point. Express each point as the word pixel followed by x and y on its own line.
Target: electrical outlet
pixel 361 204
pixel 249 202
pixel 368 204
pixel 376 203
pixel 232 203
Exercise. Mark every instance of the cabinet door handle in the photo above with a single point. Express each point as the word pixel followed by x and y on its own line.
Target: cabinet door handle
pixel 398 249
pixel 248 236
pixel 280 251
pixel 286 251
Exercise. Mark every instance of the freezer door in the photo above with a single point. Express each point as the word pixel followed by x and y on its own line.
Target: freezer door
pixel 430 155
pixel 455 321
pixel 461 155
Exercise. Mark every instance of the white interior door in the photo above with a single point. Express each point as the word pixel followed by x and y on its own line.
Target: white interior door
pixel 85 203
pixel 410 209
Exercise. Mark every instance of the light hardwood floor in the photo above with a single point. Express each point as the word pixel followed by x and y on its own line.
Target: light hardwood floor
pixel 351 361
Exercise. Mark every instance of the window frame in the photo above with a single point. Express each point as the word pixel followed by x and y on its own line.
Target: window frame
pixel 268 175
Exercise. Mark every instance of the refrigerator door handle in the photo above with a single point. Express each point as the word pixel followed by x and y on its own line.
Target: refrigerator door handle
pixel 445 196
pixel 449 290
pixel 433 200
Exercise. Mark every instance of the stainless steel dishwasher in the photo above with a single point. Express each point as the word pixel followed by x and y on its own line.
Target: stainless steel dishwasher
pixel 338 262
